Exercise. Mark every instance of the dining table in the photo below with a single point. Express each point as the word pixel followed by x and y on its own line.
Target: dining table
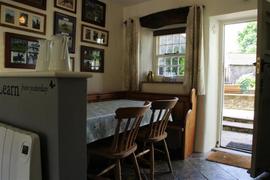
pixel 101 122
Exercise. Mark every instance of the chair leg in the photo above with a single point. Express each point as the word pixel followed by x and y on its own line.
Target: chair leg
pixel 118 175
pixel 168 156
pixel 152 161
pixel 137 169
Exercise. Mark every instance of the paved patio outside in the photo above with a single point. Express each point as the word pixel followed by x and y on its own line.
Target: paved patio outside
pixel 238 137
pixel 228 136
pixel 236 113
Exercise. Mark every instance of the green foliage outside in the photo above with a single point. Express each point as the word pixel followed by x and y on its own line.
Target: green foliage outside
pixel 247 38
pixel 246 83
pixel 181 66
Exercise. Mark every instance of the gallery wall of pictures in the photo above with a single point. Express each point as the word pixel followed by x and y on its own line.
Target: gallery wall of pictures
pixel 30 20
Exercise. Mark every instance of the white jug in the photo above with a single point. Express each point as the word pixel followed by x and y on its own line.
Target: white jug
pixel 43 59
pixel 59 58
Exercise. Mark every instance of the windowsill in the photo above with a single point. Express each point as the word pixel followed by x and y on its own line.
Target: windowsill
pixel 163 82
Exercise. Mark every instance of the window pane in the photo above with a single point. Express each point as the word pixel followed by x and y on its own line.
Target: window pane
pixel 162 40
pixel 170 39
pixel 168 61
pixel 176 39
pixel 176 49
pixel 161 62
pixel 162 49
pixel 168 71
pixel 169 49
pixel 174 71
pixel 181 66
pixel 161 71
pixel 183 38
pixel 175 61
pixel 182 48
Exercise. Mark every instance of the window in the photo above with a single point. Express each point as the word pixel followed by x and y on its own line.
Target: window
pixel 170 56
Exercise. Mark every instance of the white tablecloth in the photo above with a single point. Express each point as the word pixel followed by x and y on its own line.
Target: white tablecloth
pixel 101 122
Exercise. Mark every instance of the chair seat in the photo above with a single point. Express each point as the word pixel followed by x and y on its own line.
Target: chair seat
pixel 102 148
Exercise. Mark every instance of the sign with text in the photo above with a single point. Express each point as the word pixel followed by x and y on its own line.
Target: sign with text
pixel 11 88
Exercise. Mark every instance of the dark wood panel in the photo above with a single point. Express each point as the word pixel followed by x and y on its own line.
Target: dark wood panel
pixel 170 31
pixel 165 18
pixel 261 144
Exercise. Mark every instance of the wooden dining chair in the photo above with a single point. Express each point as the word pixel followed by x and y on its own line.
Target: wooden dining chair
pixel 123 142
pixel 156 132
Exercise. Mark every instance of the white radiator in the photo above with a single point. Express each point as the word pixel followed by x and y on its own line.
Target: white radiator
pixel 19 154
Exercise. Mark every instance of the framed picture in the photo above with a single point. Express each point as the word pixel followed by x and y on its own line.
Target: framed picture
pixel 68 5
pixel 94 35
pixel 94 12
pixel 72 61
pixel 41 4
pixel 20 51
pixel 92 59
pixel 19 18
pixel 64 24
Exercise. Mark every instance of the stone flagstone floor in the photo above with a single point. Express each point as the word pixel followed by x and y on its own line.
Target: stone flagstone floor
pixel 194 168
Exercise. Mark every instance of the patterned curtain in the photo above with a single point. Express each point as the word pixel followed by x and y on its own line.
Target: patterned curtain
pixel 132 54
pixel 195 47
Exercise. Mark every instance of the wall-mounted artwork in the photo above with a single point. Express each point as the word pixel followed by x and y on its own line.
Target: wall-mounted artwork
pixel 68 5
pixel 41 4
pixel 66 25
pixel 20 51
pixel 94 35
pixel 94 12
pixel 92 59
pixel 22 19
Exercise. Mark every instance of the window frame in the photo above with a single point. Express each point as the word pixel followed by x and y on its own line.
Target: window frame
pixel 170 55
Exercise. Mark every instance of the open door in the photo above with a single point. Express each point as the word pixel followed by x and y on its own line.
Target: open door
pixel 261 142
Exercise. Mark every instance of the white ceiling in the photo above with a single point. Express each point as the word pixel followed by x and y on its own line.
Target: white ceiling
pixel 129 2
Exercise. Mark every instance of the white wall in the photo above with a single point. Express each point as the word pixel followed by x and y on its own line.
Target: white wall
pixel 206 134
pixel 147 44
pixel 111 79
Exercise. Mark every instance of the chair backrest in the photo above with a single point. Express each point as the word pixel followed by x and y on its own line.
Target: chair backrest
pixel 161 110
pixel 128 123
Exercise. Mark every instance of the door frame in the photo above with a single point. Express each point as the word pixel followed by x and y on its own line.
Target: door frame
pixel 220 89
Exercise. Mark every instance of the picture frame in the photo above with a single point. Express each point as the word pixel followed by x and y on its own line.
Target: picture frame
pixel 40 4
pixel 94 35
pixel 21 51
pixel 92 59
pixel 72 61
pixel 68 5
pixel 19 18
pixel 94 12
pixel 66 25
